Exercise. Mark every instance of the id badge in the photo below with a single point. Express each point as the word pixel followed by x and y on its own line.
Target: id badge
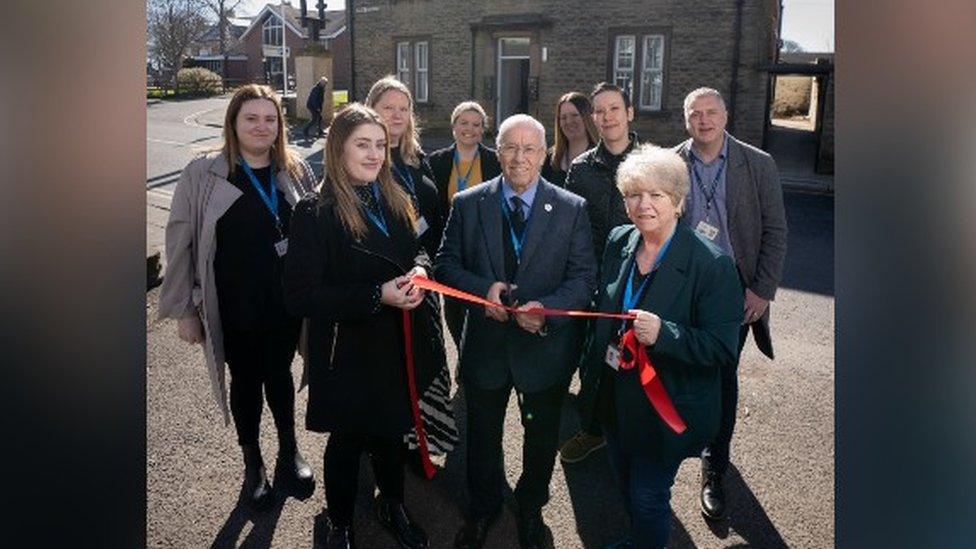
pixel 281 247
pixel 707 230
pixel 612 357
pixel 422 226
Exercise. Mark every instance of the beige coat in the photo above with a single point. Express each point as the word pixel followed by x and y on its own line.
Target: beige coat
pixel 203 194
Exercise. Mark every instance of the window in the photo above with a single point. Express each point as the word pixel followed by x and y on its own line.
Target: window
pixel 271 31
pixel 638 67
pixel 412 68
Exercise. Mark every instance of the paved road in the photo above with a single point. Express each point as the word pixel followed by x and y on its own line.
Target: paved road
pixel 781 486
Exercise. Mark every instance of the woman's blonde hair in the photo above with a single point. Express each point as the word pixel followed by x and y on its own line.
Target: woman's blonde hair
pixel 560 144
pixel 470 106
pixel 410 140
pixel 336 183
pixel 280 155
pixel 651 163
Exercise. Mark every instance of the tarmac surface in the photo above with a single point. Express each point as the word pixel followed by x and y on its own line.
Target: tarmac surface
pixel 781 485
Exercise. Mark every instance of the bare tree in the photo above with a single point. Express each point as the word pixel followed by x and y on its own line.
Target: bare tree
pixel 221 9
pixel 171 26
pixel 791 46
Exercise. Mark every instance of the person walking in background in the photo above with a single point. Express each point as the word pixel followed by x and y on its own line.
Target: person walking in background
pixel 314 103
pixel 466 163
pixel 736 201
pixel 521 240
pixel 226 243
pixel 593 175
pixel 575 133
pixel 687 299
pixel 354 248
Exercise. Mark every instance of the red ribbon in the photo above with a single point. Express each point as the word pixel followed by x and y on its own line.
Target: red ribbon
pixel 418 423
pixel 650 381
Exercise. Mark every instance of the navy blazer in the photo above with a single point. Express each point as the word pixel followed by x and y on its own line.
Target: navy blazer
pixel 557 268
pixel 697 294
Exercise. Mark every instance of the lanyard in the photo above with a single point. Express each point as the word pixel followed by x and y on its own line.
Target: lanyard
pixel 462 182
pixel 516 241
pixel 709 198
pixel 405 177
pixel 630 297
pixel 270 201
pixel 377 220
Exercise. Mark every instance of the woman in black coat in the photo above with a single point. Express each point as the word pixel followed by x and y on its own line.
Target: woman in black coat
pixel 464 164
pixel 353 250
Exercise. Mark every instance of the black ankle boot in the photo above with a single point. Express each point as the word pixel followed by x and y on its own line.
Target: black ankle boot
pixel 393 516
pixel 290 460
pixel 257 489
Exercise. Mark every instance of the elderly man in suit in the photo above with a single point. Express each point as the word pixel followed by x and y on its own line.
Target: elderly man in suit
pixel 736 201
pixel 518 240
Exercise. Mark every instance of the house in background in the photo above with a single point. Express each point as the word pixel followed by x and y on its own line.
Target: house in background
pixel 254 46
pixel 522 56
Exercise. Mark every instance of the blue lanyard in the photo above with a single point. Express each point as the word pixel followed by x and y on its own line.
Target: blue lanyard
pixel 270 201
pixel 709 198
pixel 405 177
pixel 516 241
pixel 630 297
pixel 377 220
pixel 462 182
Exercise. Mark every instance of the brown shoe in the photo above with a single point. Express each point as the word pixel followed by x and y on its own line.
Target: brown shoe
pixel 580 446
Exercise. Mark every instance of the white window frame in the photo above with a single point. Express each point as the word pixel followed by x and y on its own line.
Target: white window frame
pixel 649 71
pixel 272 24
pixel 618 69
pixel 403 62
pixel 421 71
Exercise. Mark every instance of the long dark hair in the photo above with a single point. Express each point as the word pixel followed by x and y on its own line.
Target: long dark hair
pixel 282 157
pixel 561 144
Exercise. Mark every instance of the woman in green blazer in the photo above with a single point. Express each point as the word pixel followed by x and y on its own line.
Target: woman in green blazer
pixel 653 382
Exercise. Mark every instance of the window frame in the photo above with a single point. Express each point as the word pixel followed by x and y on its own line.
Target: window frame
pixel 641 35
pixel 275 25
pixel 405 48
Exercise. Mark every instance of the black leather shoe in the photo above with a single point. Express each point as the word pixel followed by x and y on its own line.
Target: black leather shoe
pixel 532 532
pixel 472 535
pixel 712 496
pixel 393 516
pixel 295 466
pixel 257 489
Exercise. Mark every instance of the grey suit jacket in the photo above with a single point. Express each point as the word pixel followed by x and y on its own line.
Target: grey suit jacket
pixel 757 224
pixel 558 269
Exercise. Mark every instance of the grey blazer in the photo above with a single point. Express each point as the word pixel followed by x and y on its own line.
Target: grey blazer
pixel 757 224
pixel 558 269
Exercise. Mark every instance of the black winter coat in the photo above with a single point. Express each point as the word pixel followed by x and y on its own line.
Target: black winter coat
pixel 442 162
pixel 593 175
pixel 356 362
pixel 430 206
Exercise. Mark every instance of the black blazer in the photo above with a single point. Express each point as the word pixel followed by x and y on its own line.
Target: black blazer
pixel 356 364
pixel 430 206
pixel 558 269
pixel 442 161
pixel 697 294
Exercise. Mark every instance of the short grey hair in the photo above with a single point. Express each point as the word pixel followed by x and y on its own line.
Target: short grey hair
pixel 519 120
pixel 697 94
pixel 651 163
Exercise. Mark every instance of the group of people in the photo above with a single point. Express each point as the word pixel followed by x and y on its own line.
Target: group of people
pixel 679 251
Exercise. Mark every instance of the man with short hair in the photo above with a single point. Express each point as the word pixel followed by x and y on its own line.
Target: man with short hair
pixel 593 175
pixel 519 240
pixel 736 201
pixel 315 101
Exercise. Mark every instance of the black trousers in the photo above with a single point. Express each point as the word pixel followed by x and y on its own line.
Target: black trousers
pixel 715 456
pixel 342 452
pixel 485 424
pixel 260 364
pixel 316 121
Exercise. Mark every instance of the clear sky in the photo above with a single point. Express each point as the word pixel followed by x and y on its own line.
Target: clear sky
pixel 807 22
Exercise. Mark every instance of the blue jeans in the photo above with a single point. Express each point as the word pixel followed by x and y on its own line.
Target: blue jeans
pixel 646 490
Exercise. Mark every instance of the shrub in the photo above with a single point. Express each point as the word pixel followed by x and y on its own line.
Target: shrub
pixel 198 81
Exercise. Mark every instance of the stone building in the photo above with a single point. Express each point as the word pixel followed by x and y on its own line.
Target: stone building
pixel 520 56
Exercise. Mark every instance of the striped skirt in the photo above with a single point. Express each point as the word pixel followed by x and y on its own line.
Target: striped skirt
pixel 438 417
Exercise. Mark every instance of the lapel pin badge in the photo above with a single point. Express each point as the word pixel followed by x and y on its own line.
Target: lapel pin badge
pixel 548 207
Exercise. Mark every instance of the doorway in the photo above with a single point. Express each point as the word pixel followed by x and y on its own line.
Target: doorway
pixel 513 77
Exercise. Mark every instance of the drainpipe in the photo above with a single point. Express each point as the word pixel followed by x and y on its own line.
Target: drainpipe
pixel 350 21
pixel 734 85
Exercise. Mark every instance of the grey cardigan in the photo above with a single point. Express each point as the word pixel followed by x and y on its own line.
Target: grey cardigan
pixel 203 194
